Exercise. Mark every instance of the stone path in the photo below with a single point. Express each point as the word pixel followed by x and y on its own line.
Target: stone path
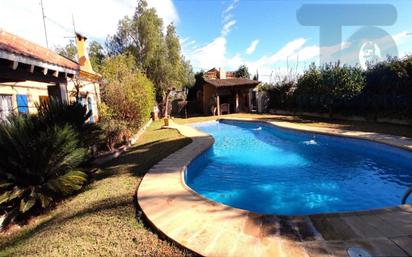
pixel 213 229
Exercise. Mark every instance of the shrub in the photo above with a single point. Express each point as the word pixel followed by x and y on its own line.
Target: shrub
pixel 309 89
pixel 115 132
pixel 329 87
pixel 128 93
pixel 384 89
pixel 340 84
pixel 280 94
pixel 38 164
pixel 388 86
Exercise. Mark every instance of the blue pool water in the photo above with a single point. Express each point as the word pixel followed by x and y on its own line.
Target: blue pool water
pixel 264 169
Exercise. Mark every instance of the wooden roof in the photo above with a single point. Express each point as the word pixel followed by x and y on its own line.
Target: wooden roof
pixel 12 45
pixel 236 82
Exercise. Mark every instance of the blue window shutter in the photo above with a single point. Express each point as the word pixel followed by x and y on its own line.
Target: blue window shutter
pixel 22 104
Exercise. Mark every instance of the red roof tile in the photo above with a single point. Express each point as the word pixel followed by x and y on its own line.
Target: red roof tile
pixel 20 46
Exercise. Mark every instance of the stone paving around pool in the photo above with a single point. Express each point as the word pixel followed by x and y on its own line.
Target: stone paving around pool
pixel 213 229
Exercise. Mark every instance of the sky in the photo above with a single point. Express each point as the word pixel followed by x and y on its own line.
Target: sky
pixel 269 36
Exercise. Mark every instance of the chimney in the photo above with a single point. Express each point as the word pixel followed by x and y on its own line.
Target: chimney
pixel 222 73
pixel 82 54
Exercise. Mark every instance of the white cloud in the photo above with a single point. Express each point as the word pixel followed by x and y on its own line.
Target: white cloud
pixel 211 55
pixel 308 53
pixel 187 42
pixel 231 6
pixel 289 49
pixel 214 54
pixel 228 20
pixel 227 17
pixel 251 49
pixel 166 10
pixel 183 40
pixel 400 37
pixel 403 41
pixel 228 27
pixel 94 18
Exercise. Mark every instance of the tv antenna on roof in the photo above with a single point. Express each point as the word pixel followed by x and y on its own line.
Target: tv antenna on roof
pixel 44 23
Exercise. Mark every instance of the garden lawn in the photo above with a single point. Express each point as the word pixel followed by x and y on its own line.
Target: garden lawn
pixel 103 220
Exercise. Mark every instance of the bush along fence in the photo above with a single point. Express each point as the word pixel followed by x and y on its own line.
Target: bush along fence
pixel 382 91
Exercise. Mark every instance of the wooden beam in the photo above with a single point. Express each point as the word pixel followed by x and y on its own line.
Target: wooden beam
pixel 14 65
pixel 45 70
pixel 56 74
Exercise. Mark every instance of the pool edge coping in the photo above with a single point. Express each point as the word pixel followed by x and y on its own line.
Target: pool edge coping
pixel 179 171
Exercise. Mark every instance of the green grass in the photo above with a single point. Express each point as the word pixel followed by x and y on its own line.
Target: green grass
pixel 103 220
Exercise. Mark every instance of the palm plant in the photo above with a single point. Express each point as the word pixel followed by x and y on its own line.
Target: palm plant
pixel 38 163
pixel 76 115
pixel 56 112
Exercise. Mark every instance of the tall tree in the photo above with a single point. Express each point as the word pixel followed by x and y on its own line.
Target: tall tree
pixel 175 67
pixel 242 72
pixel 157 55
pixel 68 51
pixel 151 47
pixel 96 55
pixel 188 75
pixel 125 40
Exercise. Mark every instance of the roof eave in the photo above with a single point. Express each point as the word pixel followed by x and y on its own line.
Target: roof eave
pixel 35 62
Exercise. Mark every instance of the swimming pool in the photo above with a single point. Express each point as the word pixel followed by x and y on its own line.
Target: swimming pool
pixel 266 169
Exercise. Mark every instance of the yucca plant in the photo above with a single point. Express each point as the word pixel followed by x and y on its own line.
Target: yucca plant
pixel 38 163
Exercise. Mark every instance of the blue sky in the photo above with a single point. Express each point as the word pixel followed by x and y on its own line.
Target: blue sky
pixel 272 27
pixel 263 34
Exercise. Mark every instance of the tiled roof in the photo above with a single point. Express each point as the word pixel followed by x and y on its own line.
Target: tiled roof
pixel 232 82
pixel 19 46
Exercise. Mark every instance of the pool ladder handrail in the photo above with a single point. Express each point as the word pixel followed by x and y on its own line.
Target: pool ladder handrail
pixel 406 195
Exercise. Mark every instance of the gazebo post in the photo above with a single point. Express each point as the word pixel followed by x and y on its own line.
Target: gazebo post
pixel 218 104
pixel 237 101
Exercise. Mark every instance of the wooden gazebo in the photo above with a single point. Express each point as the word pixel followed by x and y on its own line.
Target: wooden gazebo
pixel 231 92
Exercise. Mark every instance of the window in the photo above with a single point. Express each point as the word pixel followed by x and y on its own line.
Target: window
pixel 6 106
pixel 22 104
